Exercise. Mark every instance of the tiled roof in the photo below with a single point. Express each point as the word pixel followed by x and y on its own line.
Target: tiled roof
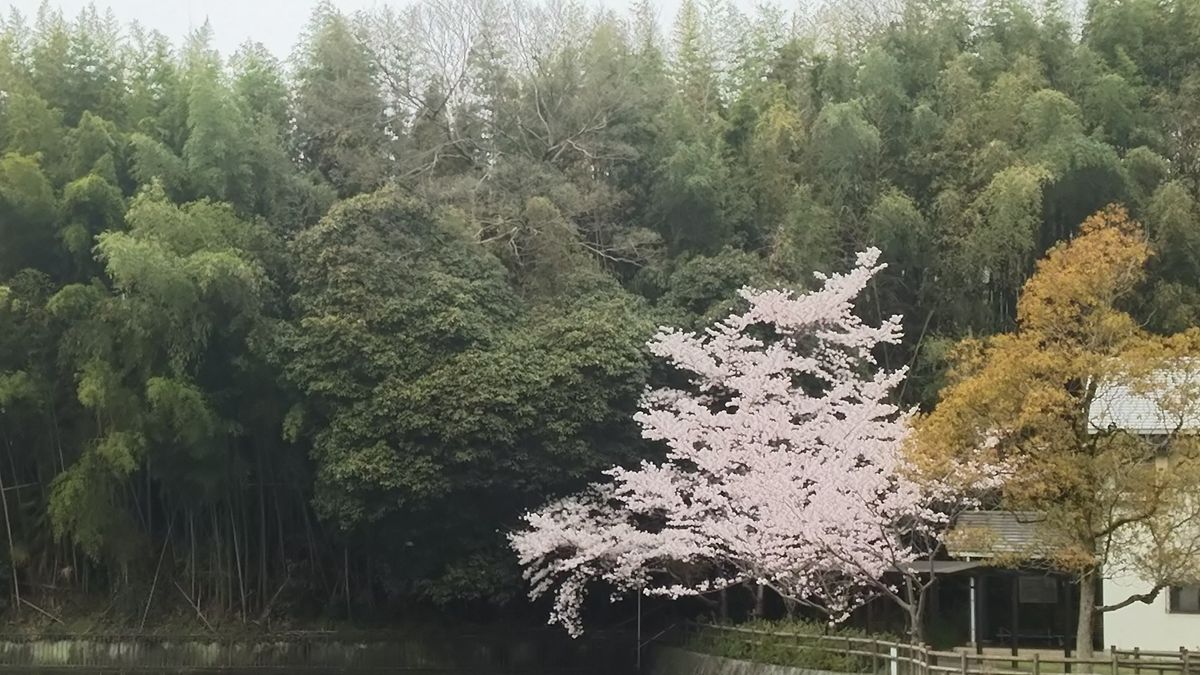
pixel 988 534
pixel 1168 403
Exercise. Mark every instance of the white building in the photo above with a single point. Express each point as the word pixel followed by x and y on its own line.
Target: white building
pixel 1170 622
pixel 1172 619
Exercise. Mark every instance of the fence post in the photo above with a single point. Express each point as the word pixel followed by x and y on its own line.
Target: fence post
pixel 893 655
pixel 1137 660
pixel 875 656
pixel 1037 663
pixel 962 663
pixel 1183 656
pixel 638 656
pixel 1112 654
pixel 1067 659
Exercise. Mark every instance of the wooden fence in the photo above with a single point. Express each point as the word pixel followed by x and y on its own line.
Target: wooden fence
pixel 896 658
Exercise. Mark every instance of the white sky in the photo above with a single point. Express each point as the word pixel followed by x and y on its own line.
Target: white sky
pixel 275 23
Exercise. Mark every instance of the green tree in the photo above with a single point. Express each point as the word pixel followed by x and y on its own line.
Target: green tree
pixel 453 401
pixel 29 213
pixel 340 114
pixel 164 368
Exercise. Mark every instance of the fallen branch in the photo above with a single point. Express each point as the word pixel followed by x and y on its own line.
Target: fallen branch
pixel 195 606
pixel 157 569
pixel 42 611
pixel 270 603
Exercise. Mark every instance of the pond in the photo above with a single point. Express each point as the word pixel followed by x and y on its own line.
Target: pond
pixel 527 652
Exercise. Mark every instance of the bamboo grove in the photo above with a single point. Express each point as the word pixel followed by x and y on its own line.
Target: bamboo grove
pixel 282 337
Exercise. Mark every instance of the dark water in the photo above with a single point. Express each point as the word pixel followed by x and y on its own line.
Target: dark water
pixel 259 670
pixel 518 653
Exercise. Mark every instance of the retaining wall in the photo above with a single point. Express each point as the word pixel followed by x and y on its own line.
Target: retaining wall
pixel 675 661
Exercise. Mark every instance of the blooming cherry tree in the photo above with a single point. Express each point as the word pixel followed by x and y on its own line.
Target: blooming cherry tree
pixel 784 467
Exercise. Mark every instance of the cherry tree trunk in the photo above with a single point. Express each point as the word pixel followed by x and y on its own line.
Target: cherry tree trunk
pixel 760 597
pixel 916 623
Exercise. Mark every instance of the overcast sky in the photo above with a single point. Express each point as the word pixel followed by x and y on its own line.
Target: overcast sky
pixel 275 23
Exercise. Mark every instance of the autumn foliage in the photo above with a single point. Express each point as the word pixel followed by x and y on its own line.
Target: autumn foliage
pixel 1031 397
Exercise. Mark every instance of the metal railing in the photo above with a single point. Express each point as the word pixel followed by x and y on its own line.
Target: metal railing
pixel 898 658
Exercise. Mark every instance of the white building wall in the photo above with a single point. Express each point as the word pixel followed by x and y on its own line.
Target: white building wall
pixel 1150 627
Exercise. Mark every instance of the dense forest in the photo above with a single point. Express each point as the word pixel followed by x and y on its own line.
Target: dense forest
pixel 281 338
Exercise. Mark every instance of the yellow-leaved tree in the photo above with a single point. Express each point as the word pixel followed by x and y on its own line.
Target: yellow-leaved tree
pixel 1095 416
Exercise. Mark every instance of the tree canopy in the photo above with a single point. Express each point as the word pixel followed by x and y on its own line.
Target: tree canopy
pixel 309 334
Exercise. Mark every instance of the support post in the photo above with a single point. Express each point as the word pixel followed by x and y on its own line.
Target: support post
pixel 983 626
pixel 1016 621
pixel 1062 608
pixel 639 631
pixel 974 610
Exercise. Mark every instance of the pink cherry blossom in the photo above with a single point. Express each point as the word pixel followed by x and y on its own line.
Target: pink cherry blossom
pixel 784 466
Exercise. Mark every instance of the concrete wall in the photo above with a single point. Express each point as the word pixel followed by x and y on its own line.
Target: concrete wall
pixel 1149 627
pixel 673 661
